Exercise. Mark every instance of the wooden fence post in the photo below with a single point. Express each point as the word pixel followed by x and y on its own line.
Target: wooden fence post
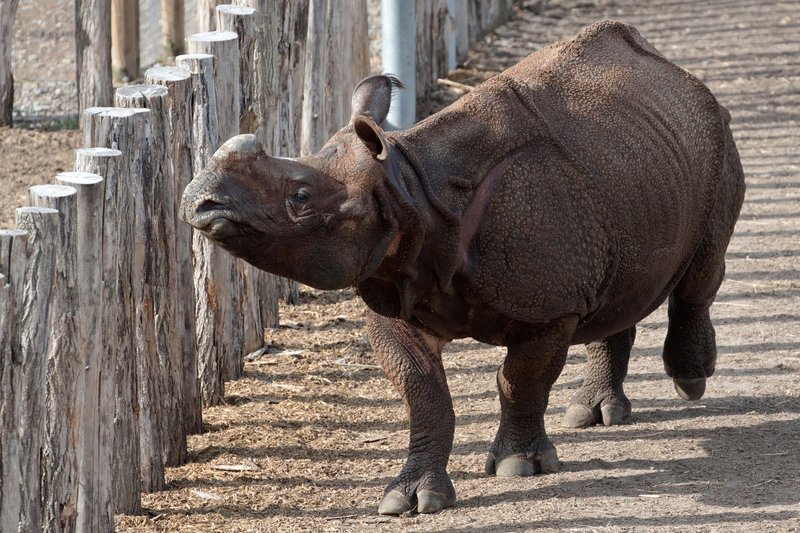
pixel 8 11
pixel 205 15
pixel 7 432
pixel 208 292
pixel 331 78
pixel 242 21
pixel 93 47
pixel 224 45
pixel 125 39
pixel 205 118
pixel 94 504
pixel 432 45
pixel 159 195
pixel 95 497
pixel 40 278
pixel 205 139
pixel 13 262
pixel 280 57
pixel 125 130
pixel 65 373
pixel 461 29
pixel 178 82
pixel 154 277
pixel 172 27
pixel 217 278
pixel 485 15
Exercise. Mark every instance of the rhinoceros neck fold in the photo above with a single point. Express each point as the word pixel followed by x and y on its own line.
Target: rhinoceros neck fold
pixel 422 180
pixel 405 207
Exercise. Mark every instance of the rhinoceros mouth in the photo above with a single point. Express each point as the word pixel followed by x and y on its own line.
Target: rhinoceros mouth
pixel 216 223
pixel 221 228
pixel 203 220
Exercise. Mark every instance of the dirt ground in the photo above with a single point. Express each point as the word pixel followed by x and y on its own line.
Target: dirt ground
pixel 312 434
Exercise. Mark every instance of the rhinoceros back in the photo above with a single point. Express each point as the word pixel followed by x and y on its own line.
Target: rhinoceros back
pixel 630 118
pixel 611 157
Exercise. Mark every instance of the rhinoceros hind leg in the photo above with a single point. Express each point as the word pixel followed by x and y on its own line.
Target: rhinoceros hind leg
pixel 521 447
pixel 690 349
pixel 601 398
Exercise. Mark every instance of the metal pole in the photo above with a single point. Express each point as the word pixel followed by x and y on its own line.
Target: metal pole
pixel 398 54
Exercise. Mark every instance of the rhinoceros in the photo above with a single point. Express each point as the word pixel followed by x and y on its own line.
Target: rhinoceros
pixel 558 203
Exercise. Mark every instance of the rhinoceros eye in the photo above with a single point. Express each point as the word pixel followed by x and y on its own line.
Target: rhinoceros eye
pixel 301 197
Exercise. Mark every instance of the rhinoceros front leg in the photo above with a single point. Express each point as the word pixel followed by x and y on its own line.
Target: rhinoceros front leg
pixel 521 447
pixel 412 359
pixel 601 398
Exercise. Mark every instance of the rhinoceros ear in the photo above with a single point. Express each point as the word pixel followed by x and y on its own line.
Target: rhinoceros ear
pixel 372 97
pixel 372 136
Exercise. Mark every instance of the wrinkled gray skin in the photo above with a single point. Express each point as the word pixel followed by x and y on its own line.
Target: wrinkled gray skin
pixel 558 203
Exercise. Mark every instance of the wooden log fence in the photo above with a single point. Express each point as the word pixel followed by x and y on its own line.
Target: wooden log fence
pixel 95 491
pixel 14 251
pixel 254 283
pixel 153 285
pixel 179 84
pixel 8 10
pixel 217 274
pixel 104 360
pixel 123 131
pixel 65 377
pixel 93 47
pixel 42 226
pixel 95 417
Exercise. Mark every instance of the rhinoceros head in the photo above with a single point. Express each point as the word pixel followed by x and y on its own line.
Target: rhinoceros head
pixel 317 219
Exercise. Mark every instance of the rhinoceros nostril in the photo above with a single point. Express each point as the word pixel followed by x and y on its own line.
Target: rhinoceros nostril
pixel 215 203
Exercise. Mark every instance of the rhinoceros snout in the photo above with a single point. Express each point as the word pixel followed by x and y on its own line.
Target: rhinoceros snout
pixel 200 205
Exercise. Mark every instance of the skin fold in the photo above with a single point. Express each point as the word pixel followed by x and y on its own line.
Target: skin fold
pixel 558 203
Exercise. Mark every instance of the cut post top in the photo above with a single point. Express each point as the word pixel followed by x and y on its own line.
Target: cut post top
pixel 212 36
pixel 109 111
pixel 189 57
pixel 145 90
pixel 98 151
pixel 78 178
pixel 12 232
pixel 53 191
pixel 32 210
pixel 235 10
pixel 167 73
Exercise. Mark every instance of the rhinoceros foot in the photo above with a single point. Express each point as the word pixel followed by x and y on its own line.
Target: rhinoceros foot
pixel 601 397
pixel 611 411
pixel 428 493
pixel 541 459
pixel 691 389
